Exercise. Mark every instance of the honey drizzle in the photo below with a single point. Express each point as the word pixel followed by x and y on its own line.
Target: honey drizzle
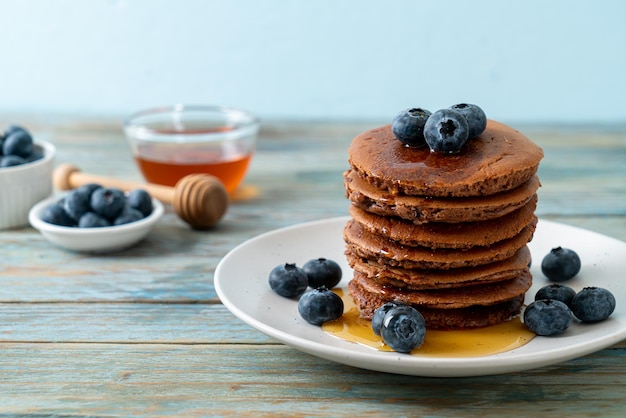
pixel 464 343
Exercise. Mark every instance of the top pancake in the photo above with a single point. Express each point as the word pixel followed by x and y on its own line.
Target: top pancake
pixel 499 159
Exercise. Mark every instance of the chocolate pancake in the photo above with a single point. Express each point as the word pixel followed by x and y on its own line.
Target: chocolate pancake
pixel 473 316
pixel 485 294
pixel 447 235
pixel 468 307
pixel 420 209
pixel 420 279
pixel 499 159
pixel 382 250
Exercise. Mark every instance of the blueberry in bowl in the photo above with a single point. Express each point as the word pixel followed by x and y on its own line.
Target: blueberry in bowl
pixel 71 222
pixel 26 166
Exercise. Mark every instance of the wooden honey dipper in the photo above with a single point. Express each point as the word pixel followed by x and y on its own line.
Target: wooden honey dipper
pixel 198 199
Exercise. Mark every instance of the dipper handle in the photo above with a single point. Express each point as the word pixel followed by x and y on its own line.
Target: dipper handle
pixel 201 200
pixel 68 177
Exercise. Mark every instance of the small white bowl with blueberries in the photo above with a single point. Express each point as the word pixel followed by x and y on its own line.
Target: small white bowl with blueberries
pixel 96 219
pixel 25 174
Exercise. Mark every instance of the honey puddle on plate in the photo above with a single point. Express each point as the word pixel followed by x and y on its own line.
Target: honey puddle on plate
pixel 467 343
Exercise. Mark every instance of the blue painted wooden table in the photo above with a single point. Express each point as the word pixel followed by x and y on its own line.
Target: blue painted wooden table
pixel 143 332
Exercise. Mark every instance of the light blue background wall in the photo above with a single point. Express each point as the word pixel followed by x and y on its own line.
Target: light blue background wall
pixel 523 61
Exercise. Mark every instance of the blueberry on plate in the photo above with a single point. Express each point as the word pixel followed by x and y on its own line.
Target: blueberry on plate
pixel 93 220
pixel 322 272
pixel 403 328
pixel 379 315
pixel 475 117
pixel 547 317
pixel 127 216
pixel 108 202
pixel 556 291
pixel 56 215
pixel 560 264
pixel 288 280
pixel 593 304
pixel 18 142
pixel 141 200
pixel 320 305
pixel 408 126
pixel 446 131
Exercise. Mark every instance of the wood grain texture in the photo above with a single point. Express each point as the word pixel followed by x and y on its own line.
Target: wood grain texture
pixel 253 380
pixel 142 332
pixel 125 323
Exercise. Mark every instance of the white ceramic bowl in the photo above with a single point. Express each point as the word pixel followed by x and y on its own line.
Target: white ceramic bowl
pixel 94 240
pixel 24 185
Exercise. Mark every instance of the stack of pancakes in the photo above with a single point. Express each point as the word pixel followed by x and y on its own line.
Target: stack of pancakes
pixel 445 233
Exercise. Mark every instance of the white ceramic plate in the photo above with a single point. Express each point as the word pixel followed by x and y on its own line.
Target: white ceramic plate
pixel 241 281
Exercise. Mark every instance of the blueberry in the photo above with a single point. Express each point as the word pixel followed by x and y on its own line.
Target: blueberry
pixel 547 317
pixel 55 214
pixel 322 272
pixel 127 216
pixel 403 328
pixel 320 305
pixel 560 264
pixel 11 161
pixel 14 128
pixel 556 291
pixel 379 315
pixel 446 130
pixel 76 203
pixel 408 126
pixel 34 156
pixel 89 188
pixel 108 202
pixel 92 220
pixel 593 304
pixel 140 199
pixel 288 280
pixel 18 143
pixel 475 117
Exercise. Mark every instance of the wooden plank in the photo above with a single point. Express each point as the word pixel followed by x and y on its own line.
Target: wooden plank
pixel 583 171
pixel 33 266
pixel 240 380
pixel 125 323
